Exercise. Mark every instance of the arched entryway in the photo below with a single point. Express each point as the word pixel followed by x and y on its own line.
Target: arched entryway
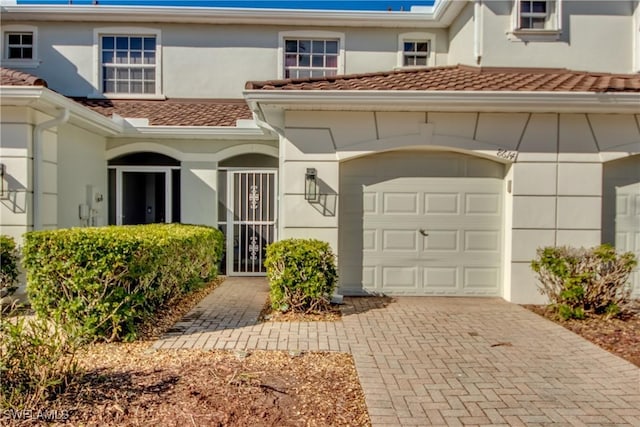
pixel 247 210
pixel 144 188
pixel 421 223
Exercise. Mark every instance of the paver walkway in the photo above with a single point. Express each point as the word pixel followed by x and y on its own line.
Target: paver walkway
pixel 437 361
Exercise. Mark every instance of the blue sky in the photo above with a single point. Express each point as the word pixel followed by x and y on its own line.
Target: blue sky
pixel 379 5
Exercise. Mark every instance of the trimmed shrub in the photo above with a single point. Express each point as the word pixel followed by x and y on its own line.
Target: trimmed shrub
pixel 578 281
pixel 8 266
pixel 107 280
pixel 302 275
pixel 37 361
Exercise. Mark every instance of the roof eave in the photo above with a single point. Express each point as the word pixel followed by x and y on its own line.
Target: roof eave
pixel 441 15
pixel 195 132
pixel 48 101
pixel 454 101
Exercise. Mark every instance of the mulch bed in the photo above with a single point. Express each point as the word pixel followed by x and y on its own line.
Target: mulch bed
pixel 620 335
pixel 269 315
pixel 131 384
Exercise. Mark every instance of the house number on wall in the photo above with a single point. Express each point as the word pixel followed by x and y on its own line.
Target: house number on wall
pixel 506 154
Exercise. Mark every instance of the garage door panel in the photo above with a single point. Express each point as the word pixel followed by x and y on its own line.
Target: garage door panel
pixel 475 240
pixel 369 240
pixel 441 204
pixel 370 203
pixel 482 204
pixel 441 240
pixel 440 278
pixel 399 277
pixel 399 240
pixel 399 203
pixel 369 277
pixel 481 278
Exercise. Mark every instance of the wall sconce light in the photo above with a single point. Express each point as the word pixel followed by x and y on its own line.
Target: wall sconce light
pixel 311 184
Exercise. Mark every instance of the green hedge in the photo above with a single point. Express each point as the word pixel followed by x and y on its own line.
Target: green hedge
pixel 302 275
pixel 107 280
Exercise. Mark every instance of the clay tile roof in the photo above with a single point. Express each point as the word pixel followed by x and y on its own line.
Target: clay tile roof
pixel 174 112
pixel 465 78
pixel 9 77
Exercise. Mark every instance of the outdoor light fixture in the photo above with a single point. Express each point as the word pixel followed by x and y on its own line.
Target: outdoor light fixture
pixel 311 184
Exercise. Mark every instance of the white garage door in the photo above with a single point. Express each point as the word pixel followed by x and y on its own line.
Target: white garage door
pixel 628 226
pixel 421 224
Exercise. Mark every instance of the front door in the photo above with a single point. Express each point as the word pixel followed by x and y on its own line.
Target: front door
pixel 143 195
pixel 252 220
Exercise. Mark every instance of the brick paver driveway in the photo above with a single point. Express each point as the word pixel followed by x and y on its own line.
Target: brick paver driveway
pixel 438 361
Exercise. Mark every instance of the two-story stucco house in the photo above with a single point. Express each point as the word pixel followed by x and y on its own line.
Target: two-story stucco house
pixel 434 149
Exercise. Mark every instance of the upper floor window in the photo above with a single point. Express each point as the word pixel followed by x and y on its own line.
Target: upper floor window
pixel 128 63
pixel 533 14
pixel 537 16
pixel 415 53
pixel 310 54
pixel 416 50
pixel 310 58
pixel 19 46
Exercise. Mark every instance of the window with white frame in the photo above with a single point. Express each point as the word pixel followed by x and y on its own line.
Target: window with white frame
pixel 415 53
pixel 309 57
pixel 416 49
pixel 537 16
pixel 19 45
pixel 128 64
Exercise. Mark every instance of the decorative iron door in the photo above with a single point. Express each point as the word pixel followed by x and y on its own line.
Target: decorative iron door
pixel 253 222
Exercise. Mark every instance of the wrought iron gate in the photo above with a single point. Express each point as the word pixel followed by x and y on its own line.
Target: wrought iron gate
pixel 253 220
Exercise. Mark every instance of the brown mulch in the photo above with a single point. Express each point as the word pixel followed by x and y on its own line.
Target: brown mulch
pixel 619 335
pixel 131 384
pixel 333 314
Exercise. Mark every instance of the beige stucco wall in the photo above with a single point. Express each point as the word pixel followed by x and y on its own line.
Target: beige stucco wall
pixel 556 180
pixel 81 164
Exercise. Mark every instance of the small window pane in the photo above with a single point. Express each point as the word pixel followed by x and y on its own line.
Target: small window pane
pixel 332 62
pixel 150 43
pixel 305 46
pixel 421 60
pixel 304 60
pixel 317 46
pixel 422 47
pixel 136 74
pixel 136 43
pixel 122 74
pixel 122 42
pixel 107 57
pixel 122 57
pixel 525 7
pixel 27 39
pixel 136 87
pixel 122 87
pixel 304 73
pixel 538 23
pixel 290 60
pixel 150 87
pixel 108 73
pixel 540 7
pixel 15 53
pixel 136 57
pixel 14 38
pixel 317 61
pixel 149 58
pixel 409 46
pixel 109 86
pixel 291 46
pixel 149 74
pixel 107 43
pixel 27 53
pixel 331 46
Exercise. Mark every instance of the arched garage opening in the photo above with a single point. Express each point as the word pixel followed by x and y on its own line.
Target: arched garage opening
pixel 144 188
pixel 421 223
pixel 621 208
